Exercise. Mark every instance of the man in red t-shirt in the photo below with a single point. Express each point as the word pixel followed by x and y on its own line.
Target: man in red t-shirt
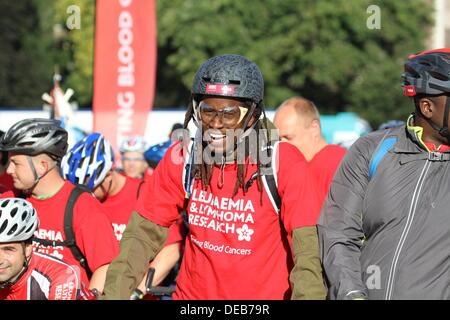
pixel 35 148
pixel 28 275
pixel 118 193
pixel 237 245
pixel 299 123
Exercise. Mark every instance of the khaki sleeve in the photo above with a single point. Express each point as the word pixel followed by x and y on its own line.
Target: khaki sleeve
pixel 306 277
pixel 140 243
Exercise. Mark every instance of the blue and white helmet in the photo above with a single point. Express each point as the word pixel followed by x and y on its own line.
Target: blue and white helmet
pixel 89 161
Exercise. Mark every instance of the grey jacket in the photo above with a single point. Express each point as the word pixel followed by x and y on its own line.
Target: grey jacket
pixel 388 236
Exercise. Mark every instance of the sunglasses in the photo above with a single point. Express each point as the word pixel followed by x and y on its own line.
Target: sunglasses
pixel 229 116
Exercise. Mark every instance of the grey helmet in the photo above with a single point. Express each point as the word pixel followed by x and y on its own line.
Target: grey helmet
pixel 229 75
pixel 427 73
pixel 34 136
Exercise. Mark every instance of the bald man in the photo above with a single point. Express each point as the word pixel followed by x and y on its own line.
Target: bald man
pixel 298 121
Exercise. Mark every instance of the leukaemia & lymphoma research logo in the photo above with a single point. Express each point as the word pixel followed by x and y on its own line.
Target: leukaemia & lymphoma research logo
pixel 244 233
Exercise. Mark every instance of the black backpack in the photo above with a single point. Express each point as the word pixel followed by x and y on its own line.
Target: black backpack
pixel 68 229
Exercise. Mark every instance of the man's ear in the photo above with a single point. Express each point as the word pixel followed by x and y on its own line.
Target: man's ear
pixel 315 124
pixel 28 249
pixel 427 107
pixel 42 163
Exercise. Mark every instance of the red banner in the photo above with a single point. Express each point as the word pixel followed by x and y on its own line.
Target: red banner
pixel 124 67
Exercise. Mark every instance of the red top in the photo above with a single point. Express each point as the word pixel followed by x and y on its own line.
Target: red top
pixel 47 278
pixel 119 207
pixel 93 232
pixel 236 247
pixel 6 182
pixel 324 165
pixel 432 147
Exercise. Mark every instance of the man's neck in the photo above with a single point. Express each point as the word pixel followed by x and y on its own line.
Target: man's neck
pixel 118 182
pixel 48 186
pixel 319 144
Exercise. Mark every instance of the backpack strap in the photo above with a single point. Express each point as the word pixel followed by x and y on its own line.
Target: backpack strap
pixel 269 176
pixel 68 226
pixel 139 188
pixel 68 229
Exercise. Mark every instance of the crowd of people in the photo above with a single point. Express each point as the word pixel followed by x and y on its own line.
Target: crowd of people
pixel 241 209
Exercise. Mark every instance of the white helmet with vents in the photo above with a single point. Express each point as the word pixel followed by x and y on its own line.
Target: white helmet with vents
pixel 18 220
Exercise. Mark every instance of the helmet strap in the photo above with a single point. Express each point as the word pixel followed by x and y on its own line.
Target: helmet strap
pixel 37 177
pixel 444 130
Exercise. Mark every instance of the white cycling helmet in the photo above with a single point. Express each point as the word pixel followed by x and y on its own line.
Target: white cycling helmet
pixel 133 144
pixel 18 220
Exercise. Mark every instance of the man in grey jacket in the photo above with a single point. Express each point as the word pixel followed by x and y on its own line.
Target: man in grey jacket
pixel 385 225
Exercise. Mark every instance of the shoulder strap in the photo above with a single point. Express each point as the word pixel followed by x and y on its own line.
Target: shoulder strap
pixel 383 147
pixel 68 229
pixel 269 177
pixel 68 226
pixel 139 188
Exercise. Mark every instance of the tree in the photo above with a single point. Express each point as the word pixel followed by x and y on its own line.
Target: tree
pixel 322 50
pixel 340 54
pixel 76 43
pixel 25 55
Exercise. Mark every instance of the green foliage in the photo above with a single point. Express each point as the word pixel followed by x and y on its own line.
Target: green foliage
pixel 319 49
pixel 25 55
pixel 78 46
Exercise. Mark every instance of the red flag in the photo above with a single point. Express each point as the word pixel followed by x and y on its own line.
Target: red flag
pixel 124 67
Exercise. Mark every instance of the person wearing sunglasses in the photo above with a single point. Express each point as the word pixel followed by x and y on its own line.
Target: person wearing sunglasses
pixel 238 246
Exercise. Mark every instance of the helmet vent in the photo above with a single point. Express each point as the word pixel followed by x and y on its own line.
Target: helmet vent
pixel 13 212
pixel 12 230
pixel 425 63
pixel 235 82
pixel 438 76
pixel 3 227
pixel 29 229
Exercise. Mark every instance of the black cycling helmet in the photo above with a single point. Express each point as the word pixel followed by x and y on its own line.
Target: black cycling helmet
pixel 428 73
pixel 34 136
pixel 229 75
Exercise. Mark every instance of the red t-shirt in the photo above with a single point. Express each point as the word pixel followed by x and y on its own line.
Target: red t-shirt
pixel 6 183
pixel 48 278
pixel 119 207
pixel 236 247
pixel 324 165
pixel 93 232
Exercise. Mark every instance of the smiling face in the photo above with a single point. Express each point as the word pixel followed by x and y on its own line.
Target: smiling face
pixel 12 258
pixel 220 118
